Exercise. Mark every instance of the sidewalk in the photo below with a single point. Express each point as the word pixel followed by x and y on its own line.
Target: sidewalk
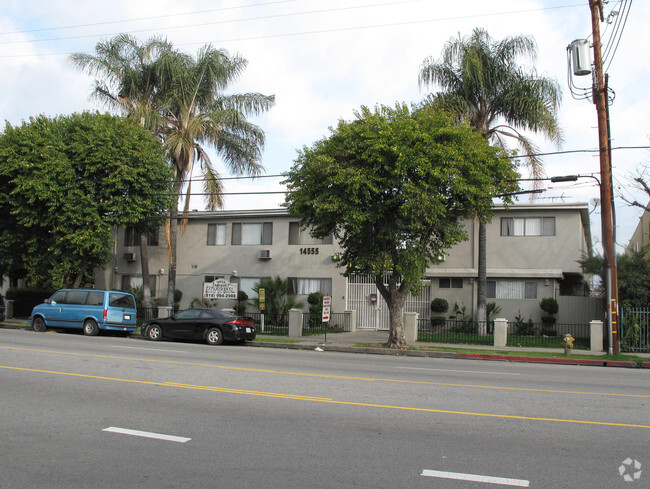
pixel 347 342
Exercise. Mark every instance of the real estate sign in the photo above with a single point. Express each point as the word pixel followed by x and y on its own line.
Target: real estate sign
pixel 219 289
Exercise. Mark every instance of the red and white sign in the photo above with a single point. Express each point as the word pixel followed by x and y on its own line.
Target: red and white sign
pixel 327 304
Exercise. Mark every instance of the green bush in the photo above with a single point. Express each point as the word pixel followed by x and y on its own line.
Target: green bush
pixel 439 305
pixel 26 298
pixel 438 321
pixel 242 297
pixel 549 305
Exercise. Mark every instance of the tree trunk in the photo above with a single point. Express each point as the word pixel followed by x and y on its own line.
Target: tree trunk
pixel 395 299
pixel 146 288
pixel 173 235
pixel 482 279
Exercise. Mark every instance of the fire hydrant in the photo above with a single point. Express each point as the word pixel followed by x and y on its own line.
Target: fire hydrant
pixel 567 342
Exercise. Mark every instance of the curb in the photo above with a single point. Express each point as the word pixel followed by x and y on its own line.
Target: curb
pixel 559 361
pixel 451 355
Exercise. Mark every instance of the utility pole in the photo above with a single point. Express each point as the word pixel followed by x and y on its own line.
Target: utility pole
pixel 606 195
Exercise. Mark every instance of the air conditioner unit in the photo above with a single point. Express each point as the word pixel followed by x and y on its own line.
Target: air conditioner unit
pixel 264 255
pixel 129 256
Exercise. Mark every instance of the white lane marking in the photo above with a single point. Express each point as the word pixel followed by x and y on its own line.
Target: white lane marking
pixel 476 478
pixel 461 371
pixel 146 434
pixel 148 349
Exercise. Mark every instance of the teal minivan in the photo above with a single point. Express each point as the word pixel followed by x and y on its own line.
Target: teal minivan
pixel 88 309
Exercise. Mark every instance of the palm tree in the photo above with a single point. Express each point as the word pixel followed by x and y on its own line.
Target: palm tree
pixel 127 81
pixel 180 99
pixel 483 84
pixel 198 113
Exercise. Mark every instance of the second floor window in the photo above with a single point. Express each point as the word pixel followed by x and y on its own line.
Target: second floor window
pixel 528 226
pixel 216 234
pixel 132 237
pixel 260 233
pixel 450 283
pixel 299 236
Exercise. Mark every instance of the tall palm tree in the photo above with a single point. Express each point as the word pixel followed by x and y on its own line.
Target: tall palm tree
pixel 180 99
pixel 127 81
pixel 198 113
pixel 483 84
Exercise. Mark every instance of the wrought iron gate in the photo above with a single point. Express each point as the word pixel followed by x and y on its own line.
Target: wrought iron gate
pixel 375 316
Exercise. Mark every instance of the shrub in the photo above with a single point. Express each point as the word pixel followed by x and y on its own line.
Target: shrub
pixel 438 321
pixel 242 297
pixel 26 298
pixel 549 305
pixel 439 305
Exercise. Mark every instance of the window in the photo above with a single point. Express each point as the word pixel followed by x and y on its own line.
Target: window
pixel 528 226
pixel 247 285
pixel 208 279
pixel 95 299
pixel 132 282
pixel 216 234
pixel 305 286
pixel 450 283
pixel 132 237
pixel 299 236
pixel 260 233
pixel 115 299
pixel 511 289
pixel 152 238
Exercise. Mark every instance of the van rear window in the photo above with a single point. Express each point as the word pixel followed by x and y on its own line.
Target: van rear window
pixel 121 300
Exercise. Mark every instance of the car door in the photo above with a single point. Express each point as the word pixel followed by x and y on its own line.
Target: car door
pixel 52 309
pixel 182 324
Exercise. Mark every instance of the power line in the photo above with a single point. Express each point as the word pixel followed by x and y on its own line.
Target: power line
pixel 94 24
pixel 303 33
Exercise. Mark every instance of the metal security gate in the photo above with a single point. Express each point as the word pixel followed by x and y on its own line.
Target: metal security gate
pixel 361 291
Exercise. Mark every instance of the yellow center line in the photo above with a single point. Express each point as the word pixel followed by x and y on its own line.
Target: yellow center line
pixel 327 400
pixel 326 376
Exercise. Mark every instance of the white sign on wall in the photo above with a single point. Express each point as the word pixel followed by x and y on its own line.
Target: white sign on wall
pixel 219 289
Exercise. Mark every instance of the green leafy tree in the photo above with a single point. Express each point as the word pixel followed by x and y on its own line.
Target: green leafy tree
pixel 483 85
pixel 392 186
pixel 67 182
pixel 128 82
pixel 633 276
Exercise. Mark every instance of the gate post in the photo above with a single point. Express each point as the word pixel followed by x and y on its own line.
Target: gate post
pixel 295 323
pixel 352 319
pixel 500 332
pixel 411 327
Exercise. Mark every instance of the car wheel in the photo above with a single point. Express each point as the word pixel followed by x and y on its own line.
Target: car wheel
pixel 39 325
pixel 91 328
pixel 154 332
pixel 214 336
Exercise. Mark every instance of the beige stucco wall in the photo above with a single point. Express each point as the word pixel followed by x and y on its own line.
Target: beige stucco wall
pixel 542 259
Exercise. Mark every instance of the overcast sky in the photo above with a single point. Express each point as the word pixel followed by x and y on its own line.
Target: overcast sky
pixel 325 59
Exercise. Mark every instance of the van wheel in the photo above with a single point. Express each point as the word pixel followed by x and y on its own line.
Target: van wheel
pixel 39 325
pixel 214 336
pixel 91 328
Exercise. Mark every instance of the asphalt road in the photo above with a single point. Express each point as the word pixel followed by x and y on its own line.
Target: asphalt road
pixel 111 412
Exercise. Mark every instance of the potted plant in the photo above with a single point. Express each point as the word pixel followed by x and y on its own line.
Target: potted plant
pixel 439 307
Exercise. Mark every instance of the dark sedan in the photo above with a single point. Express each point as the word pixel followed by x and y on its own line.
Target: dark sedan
pixel 201 324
